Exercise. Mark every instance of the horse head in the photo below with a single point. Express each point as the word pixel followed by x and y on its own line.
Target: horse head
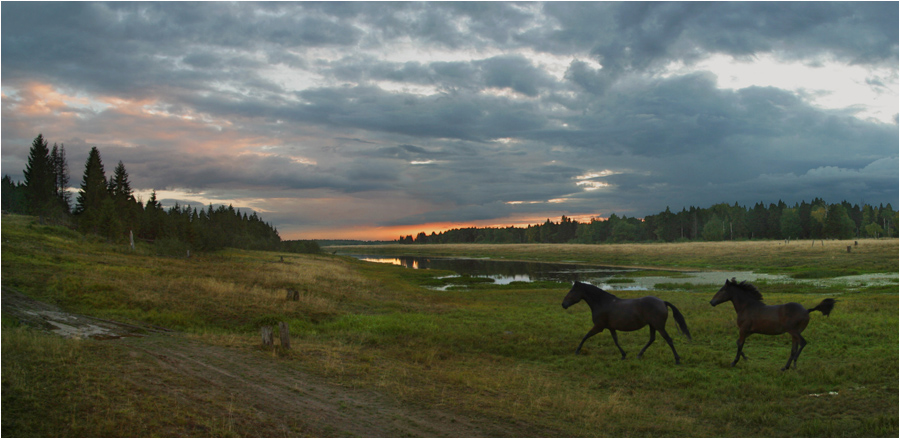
pixel 724 293
pixel 574 296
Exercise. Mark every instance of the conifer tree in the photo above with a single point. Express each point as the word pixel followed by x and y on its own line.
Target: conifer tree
pixel 93 193
pixel 13 196
pixel 61 173
pixel 40 180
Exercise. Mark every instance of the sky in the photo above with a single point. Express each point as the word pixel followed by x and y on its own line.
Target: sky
pixel 372 120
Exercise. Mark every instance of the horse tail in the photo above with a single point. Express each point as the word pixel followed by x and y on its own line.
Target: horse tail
pixel 682 325
pixel 825 307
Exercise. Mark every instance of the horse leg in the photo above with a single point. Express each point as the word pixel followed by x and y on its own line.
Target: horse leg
pixel 802 345
pixel 668 340
pixel 794 351
pixel 652 337
pixel 616 340
pixel 740 349
pixel 796 348
pixel 591 333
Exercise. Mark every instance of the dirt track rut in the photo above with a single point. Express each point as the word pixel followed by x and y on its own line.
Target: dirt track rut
pixel 289 400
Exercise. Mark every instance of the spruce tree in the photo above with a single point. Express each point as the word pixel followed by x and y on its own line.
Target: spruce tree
pixel 92 194
pixel 61 173
pixel 127 208
pixel 40 180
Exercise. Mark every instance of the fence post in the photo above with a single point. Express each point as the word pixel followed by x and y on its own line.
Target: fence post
pixel 285 336
pixel 266 335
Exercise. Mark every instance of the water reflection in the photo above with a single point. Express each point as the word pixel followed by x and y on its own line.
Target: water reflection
pixel 506 272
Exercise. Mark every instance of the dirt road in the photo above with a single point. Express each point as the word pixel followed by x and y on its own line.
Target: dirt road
pixel 286 399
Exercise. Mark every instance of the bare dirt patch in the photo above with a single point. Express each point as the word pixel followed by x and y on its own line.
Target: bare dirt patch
pixel 261 388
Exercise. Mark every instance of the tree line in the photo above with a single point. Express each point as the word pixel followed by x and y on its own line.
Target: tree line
pixel 108 208
pixel 805 220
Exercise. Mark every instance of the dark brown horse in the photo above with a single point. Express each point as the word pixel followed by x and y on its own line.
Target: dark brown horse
pixel 755 317
pixel 615 314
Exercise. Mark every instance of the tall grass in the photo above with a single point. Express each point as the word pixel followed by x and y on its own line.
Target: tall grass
pixel 492 352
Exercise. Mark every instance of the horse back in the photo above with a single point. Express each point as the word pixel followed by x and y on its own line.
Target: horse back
pixel 775 319
pixel 634 314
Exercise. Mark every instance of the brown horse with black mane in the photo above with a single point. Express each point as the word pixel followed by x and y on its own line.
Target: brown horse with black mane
pixel 755 317
pixel 613 313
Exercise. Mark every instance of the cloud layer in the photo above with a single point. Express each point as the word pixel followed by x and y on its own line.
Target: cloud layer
pixel 356 119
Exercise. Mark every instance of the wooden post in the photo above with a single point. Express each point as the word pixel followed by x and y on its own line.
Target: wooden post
pixel 266 335
pixel 848 248
pixel 292 295
pixel 285 335
pixel 131 236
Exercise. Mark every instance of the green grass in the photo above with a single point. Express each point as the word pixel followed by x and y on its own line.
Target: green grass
pixel 490 351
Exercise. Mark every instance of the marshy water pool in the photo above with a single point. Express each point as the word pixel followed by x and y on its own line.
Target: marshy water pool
pixel 611 278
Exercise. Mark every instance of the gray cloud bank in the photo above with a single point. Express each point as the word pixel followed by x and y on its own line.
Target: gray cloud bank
pixel 454 111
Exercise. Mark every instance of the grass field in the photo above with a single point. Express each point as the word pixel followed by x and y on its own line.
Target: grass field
pixel 801 259
pixel 486 352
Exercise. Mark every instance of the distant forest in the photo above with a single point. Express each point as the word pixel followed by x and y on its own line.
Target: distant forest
pixel 109 209
pixel 807 220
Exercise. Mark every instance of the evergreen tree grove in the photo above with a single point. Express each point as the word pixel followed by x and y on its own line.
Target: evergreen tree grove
pixel 107 207
pixel 805 220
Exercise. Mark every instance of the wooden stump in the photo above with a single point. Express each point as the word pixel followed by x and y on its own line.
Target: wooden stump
pixel 849 247
pixel 292 295
pixel 266 335
pixel 285 335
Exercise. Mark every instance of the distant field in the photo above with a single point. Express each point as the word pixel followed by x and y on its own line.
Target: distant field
pixel 487 360
pixel 799 258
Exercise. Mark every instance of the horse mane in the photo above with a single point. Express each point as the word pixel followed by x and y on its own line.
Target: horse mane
pixel 594 290
pixel 747 289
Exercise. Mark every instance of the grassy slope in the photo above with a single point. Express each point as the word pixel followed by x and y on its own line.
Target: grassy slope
pixel 498 352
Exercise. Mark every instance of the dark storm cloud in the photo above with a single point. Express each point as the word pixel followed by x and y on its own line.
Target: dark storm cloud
pixel 480 110
pixel 639 34
pixel 513 72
